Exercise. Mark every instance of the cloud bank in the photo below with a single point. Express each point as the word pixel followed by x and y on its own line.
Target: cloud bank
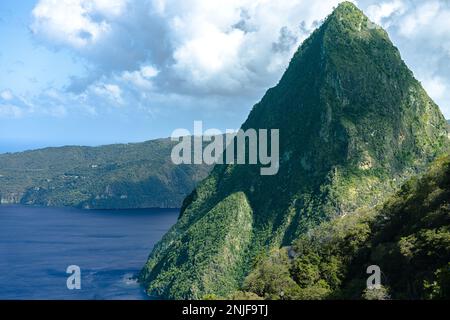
pixel 142 49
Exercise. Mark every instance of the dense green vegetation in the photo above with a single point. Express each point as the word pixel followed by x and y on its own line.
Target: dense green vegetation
pixel 354 125
pixel 139 175
pixel 408 238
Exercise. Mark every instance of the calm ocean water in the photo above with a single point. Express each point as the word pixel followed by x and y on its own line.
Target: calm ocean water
pixel 38 244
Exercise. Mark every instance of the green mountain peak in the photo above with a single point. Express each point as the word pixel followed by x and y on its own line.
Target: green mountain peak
pixel 347 9
pixel 350 20
pixel 354 124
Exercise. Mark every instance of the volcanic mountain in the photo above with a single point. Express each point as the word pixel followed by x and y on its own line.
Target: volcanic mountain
pixel 354 124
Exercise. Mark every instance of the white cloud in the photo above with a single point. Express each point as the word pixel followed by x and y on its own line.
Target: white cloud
pixel 381 12
pixel 6 95
pixel 211 57
pixel 110 91
pixel 423 16
pixel 142 78
pixel 14 106
pixel 77 23
pixel 149 72
pixel 427 24
pixel 233 50
pixel 50 103
pixel 435 87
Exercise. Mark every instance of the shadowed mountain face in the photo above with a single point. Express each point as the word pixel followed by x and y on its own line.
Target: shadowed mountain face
pixel 354 124
pixel 139 175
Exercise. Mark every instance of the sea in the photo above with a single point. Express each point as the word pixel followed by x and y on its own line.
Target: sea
pixel 74 254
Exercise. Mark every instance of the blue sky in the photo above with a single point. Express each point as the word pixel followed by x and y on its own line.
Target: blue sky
pixel 94 72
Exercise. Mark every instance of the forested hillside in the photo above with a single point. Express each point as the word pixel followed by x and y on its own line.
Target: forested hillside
pixel 139 175
pixel 408 237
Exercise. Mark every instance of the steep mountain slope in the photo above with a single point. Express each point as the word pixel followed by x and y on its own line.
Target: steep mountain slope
pixel 408 238
pixel 139 175
pixel 354 124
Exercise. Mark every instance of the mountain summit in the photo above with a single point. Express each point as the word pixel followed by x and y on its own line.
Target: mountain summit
pixel 354 123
